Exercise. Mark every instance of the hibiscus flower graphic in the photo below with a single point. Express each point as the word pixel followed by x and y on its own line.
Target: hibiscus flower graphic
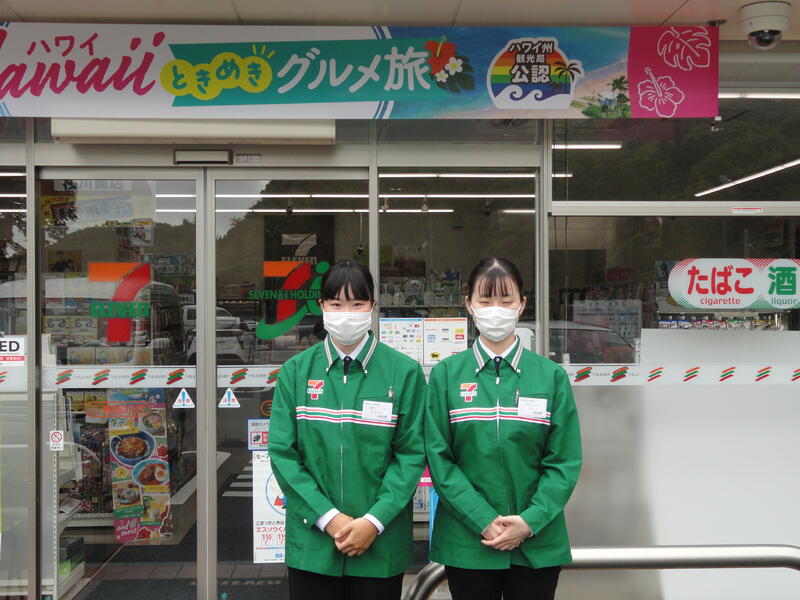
pixel 660 94
pixel 449 70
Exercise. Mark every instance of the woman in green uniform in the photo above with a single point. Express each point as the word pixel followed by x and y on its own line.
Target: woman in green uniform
pixel 347 450
pixel 504 451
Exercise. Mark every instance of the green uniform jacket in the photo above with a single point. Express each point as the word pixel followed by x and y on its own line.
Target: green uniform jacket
pixel 507 445
pixel 337 443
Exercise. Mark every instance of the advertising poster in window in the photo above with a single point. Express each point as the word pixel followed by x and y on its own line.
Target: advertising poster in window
pixel 139 463
pixel 269 512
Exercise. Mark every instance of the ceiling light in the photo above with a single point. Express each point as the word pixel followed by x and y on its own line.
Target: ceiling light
pixel 418 210
pixel 13 210
pixel 177 210
pixel 263 195
pixel 12 174
pixel 571 146
pixel 763 173
pixel 402 196
pixel 481 196
pixel 406 175
pixel 176 196
pixel 340 195
pixel 519 211
pixel 759 95
pixel 13 195
pixel 489 175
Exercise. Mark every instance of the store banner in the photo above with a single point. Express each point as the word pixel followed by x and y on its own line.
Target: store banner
pixel 198 71
pixel 736 283
pixel 137 430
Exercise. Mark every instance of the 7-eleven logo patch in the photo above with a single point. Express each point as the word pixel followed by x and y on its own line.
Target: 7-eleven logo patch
pixel 315 388
pixel 469 391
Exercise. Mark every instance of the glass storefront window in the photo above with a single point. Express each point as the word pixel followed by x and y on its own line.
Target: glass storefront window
pixel 435 225
pixel 118 271
pixel 609 279
pixel 13 377
pixel 687 159
pixel 275 239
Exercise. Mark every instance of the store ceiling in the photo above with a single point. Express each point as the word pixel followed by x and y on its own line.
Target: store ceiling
pixel 391 12
pixel 742 65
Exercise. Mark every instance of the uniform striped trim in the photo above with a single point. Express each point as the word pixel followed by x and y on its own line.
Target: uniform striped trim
pixel 313 413
pixel 461 415
pixel 331 354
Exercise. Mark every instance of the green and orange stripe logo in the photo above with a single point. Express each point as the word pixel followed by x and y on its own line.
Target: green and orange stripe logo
pixel 763 373
pixel 619 374
pixel 272 376
pixel 238 375
pixel 175 376
pixel 64 376
pixel 655 374
pixel 138 376
pixel 727 373
pixel 690 374
pixel 796 375
pixel 101 376
pixel 583 374
pixel 3 376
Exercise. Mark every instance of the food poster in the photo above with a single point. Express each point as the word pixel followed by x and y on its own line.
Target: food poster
pixel 139 461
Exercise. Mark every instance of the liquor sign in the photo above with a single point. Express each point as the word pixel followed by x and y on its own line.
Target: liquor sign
pixel 736 283
pixel 72 70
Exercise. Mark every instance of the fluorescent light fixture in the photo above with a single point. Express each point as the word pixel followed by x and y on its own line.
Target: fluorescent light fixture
pixel 250 210
pixel 340 195
pixel 419 210
pixel 561 175
pixel 490 196
pixel 488 175
pixel 519 211
pixel 406 175
pixel 176 210
pixel 176 195
pixel 763 173
pixel 263 195
pixel 323 210
pixel 13 210
pixel 402 195
pixel 592 146
pixel 11 174
pixel 759 95
pixel 13 195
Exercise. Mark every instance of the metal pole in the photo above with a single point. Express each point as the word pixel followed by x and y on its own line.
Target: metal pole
pixel 646 557
pixel 206 358
pixel 374 212
pixel 33 342
pixel 542 203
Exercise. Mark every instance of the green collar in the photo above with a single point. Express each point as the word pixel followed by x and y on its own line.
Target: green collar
pixel 482 358
pixel 363 357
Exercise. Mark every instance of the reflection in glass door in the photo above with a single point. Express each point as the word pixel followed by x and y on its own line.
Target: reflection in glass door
pixel 274 240
pixel 118 281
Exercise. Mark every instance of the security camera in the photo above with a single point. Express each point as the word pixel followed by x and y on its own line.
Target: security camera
pixel 765 22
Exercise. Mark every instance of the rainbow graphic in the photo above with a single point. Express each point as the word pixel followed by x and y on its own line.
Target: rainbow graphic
pixel 63 377
pixel 583 374
pixel 655 374
pixel 530 71
pixel 138 376
pixel 101 376
pixel 692 373
pixel 238 375
pixel 175 376
pixel 763 373
pixel 619 374
pixel 272 376
pixel 727 373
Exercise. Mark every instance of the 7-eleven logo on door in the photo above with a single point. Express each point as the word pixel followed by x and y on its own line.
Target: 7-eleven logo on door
pixel 469 391
pixel 130 277
pixel 315 388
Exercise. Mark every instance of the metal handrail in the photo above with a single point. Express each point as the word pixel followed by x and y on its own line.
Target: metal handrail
pixel 645 557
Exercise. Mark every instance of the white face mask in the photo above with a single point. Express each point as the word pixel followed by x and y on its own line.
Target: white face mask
pixel 347 328
pixel 495 323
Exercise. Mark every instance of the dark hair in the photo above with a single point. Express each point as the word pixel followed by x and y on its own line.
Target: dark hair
pixel 348 276
pixel 493 273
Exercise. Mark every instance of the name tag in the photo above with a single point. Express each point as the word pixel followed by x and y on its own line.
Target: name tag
pixel 532 408
pixel 377 411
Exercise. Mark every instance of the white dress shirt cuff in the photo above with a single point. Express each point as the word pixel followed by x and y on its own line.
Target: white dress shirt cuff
pixel 323 521
pixel 374 521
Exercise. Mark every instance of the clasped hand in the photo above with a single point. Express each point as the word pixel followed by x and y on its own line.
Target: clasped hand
pixel 506 533
pixel 352 536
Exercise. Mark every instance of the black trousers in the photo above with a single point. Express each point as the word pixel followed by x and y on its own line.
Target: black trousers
pixel 516 583
pixel 305 585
